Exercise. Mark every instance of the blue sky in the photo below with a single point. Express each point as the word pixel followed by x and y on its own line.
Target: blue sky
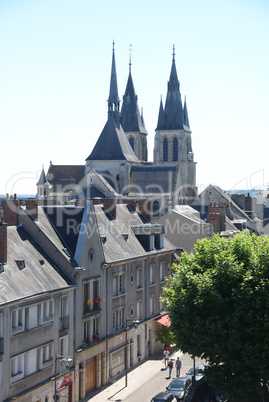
pixel 55 59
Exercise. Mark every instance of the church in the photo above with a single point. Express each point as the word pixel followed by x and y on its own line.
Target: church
pixel 118 166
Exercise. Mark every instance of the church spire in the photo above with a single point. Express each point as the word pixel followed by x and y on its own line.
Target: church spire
pixel 113 99
pixel 185 114
pixel 173 106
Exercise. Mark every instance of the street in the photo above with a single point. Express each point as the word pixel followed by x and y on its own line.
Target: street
pixel 144 382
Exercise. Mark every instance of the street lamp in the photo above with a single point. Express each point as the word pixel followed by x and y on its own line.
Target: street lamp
pixel 135 322
pixel 67 361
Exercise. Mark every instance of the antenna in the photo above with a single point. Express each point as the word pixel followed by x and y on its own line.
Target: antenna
pixel 173 53
pixel 130 58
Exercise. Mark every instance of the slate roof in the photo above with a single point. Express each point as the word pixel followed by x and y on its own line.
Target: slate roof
pixel 40 274
pixel 153 179
pixel 130 117
pixel 117 246
pixel 65 220
pixel 173 112
pixel 42 179
pixel 64 175
pixel 112 144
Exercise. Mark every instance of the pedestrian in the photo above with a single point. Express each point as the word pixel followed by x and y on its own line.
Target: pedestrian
pixel 178 366
pixel 170 366
pixel 166 355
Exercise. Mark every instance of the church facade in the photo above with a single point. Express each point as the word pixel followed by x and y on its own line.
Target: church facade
pixel 118 163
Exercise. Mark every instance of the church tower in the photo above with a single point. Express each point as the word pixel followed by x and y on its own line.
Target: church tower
pixel 172 144
pixel 132 121
pixel 112 155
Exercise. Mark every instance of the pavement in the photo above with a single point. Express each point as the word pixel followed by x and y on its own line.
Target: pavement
pixel 137 377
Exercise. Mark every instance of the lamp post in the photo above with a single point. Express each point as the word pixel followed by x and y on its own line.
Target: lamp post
pixel 193 377
pixel 135 322
pixel 67 361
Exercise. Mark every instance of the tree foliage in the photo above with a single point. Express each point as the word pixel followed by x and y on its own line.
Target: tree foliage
pixel 218 304
pixel 165 335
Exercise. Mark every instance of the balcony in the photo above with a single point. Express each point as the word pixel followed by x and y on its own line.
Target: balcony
pixel 64 323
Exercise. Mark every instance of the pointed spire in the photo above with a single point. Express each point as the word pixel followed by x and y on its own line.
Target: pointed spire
pixel 130 59
pixel 185 114
pixel 130 117
pixel 173 107
pixel 113 99
pixel 42 179
pixel 161 118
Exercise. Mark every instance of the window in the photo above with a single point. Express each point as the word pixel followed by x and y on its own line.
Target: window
pixel 118 284
pixel 165 150
pixel 114 321
pixel 47 310
pixel 31 317
pixel 161 271
pixel 131 141
pixel 120 318
pixel 151 305
pixel 46 351
pixel 175 149
pixel 138 310
pixel 91 292
pixel 64 307
pixel 18 320
pixel 139 278
pixel 151 274
pixel 17 368
pixel 64 346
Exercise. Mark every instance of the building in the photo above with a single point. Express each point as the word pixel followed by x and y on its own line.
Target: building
pixel 120 153
pixel 36 311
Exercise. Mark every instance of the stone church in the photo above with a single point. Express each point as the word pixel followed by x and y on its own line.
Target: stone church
pixel 118 166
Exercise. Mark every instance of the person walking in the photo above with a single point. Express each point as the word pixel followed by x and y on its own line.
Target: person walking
pixel 166 355
pixel 170 366
pixel 178 366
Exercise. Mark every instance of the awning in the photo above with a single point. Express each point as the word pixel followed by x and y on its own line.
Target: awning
pixel 164 320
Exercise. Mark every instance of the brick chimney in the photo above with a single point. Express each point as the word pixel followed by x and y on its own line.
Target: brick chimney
pixel 32 208
pixel 145 209
pixel 216 217
pixel 110 205
pixel 3 241
pixel 10 210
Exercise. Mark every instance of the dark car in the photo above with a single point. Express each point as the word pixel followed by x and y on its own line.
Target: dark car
pixel 164 396
pixel 179 387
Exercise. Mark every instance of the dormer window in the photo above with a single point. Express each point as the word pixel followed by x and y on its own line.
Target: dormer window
pixel 20 264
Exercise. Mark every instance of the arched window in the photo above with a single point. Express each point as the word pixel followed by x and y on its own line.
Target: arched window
pixel 131 141
pixel 156 208
pixel 175 149
pixel 165 150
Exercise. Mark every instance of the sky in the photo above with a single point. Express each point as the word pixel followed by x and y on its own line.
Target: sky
pixel 55 65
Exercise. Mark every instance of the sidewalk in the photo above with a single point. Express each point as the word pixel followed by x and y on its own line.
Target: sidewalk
pixel 136 378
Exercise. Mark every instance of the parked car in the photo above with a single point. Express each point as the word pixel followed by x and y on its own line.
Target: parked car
pixel 179 387
pixel 164 396
pixel 199 372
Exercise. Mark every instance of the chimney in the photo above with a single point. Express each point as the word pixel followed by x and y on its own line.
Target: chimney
pixel 216 217
pixel 31 207
pixel 145 209
pixel 10 210
pixel 3 241
pixel 110 205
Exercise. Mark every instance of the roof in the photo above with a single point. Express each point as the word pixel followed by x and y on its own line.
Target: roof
pixel 119 241
pixel 64 176
pixel 112 144
pixel 42 179
pixel 130 117
pixel 173 112
pixel 65 220
pixel 29 270
pixel 153 179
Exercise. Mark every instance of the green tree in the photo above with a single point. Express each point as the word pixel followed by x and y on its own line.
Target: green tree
pixel 165 335
pixel 218 304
